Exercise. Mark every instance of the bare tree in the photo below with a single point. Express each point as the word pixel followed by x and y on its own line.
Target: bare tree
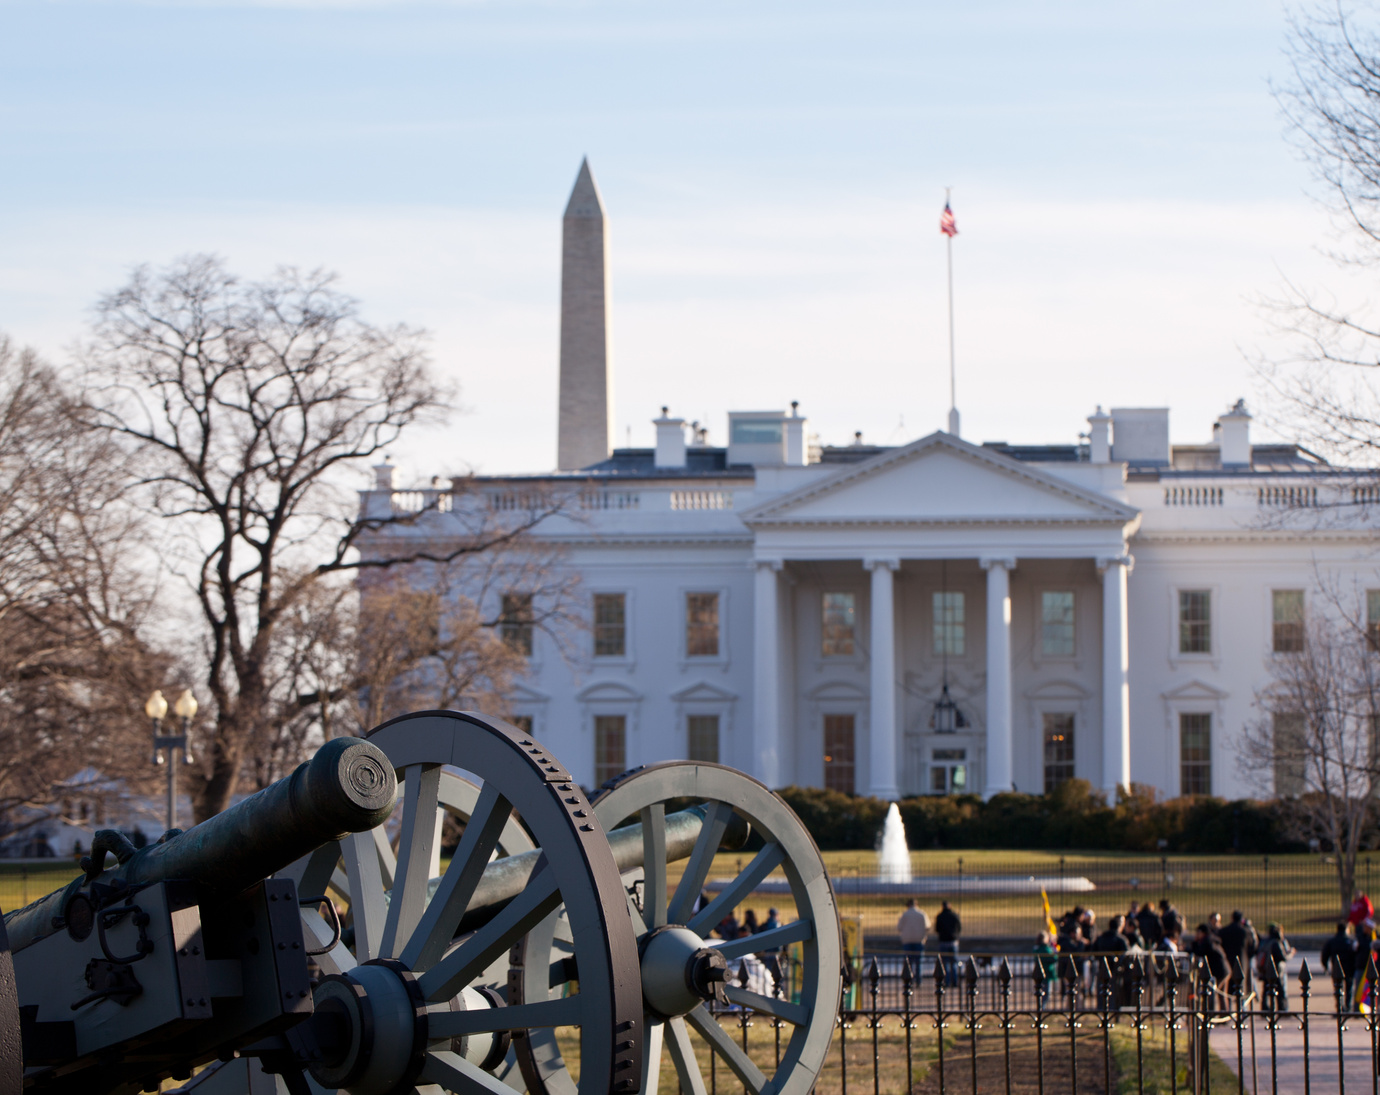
pixel 245 405
pixel 1327 391
pixel 1314 742
pixel 73 602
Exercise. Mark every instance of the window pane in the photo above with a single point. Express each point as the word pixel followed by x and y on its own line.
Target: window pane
pixel 1058 750
pixel 1195 621
pixel 703 738
pixel 1056 624
pixel 756 431
pixel 1290 755
pixel 840 623
pixel 1373 617
pixel 516 623
pixel 1288 621
pixel 702 625
pixel 610 747
pixel 610 627
pixel 838 753
pixel 948 624
pixel 1195 754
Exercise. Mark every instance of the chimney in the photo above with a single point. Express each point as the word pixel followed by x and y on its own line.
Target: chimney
pixel 1234 436
pixel 797 451
pixel 385 476
pixel 1140 435
pixel 1099 437
pixel 670 440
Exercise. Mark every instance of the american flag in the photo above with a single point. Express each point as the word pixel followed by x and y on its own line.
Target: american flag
pixel 947 224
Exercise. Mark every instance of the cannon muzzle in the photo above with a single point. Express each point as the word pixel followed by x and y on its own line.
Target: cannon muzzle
pixel 347 787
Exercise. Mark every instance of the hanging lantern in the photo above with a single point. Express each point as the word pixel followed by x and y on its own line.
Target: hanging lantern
pixel 947 718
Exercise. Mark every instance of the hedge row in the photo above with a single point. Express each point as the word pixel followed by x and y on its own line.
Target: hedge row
pixel 1073 816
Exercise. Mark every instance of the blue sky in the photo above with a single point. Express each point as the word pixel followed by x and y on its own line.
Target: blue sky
pixel 773 173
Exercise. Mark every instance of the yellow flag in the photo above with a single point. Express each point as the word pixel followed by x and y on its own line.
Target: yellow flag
pixel 1049 920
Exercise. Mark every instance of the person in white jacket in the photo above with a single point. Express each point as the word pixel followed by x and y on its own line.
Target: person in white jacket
pixel 914 928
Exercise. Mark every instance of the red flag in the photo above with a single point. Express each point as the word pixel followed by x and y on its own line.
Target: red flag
pixel 947 225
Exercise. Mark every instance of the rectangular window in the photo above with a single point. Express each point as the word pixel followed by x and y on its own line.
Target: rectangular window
pixel 1373 618
pixel 1288 620
pixel 1056 624
pixel 839 625
pixel 948 624
pixel 1195 621
pixel 756 431
pixel 702 625
pixel 703 735
pixel 1195 754
pixel 838 753
pixel 1291 757
pixel 610 747
pixel 610 625
pixel 1058 750
pixel 948 771
pixel 516 623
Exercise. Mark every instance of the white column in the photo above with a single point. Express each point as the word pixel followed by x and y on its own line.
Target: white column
pixel 1116 686
pixel 999 753
pixel 766 674
pixel 881 751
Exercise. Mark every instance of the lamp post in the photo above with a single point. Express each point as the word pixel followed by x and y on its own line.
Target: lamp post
pixel 166 746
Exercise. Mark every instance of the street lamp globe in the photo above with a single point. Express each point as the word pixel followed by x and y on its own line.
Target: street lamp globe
pixel 156 707
pixel 186 705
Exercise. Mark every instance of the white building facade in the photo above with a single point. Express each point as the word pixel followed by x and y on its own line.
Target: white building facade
pixel 934 618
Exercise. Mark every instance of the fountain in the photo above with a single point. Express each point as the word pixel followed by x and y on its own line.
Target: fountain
pixel 893 856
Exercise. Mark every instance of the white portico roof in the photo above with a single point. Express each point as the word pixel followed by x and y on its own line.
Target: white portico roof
pixel 940 496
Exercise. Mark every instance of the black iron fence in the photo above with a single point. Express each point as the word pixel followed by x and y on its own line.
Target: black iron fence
pixel 1146 1024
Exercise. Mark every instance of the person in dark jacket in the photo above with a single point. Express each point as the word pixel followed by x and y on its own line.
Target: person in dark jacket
pixel 947 927
pixel 1342 948
pixel 1170 916
pixel 1274 952
pixel 1112 941
pixel 1206 945
pixel 1240 943
pixel 1150 928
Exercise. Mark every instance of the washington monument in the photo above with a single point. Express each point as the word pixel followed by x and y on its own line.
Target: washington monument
pixel 586 412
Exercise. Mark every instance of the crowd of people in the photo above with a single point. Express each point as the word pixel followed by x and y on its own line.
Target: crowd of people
pixel 1232 952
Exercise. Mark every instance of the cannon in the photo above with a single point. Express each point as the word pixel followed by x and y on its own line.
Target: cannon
pixel 552 933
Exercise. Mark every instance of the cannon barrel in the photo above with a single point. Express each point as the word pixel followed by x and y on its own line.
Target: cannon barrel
pixel 347 787
pixel 504 879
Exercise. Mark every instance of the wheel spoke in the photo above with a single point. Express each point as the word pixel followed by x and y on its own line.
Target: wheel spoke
pixel 654 868
pixel 782 1009
pixel 388 862
pixel 651 1057
pixel 639 925
pixel 366 892
pixel 416 842
pixel 436 926
pixel 683 1057
pixel 312 873
pixel 336 960
pixel 454 1073
pixel 766 861
pixel 750 1075
pixel 460 966
pixel 565 1011
pixel 697 870
pixel 796 932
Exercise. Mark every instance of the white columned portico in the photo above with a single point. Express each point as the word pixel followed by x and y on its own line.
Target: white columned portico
pixel 1116 666
pixel 766 677
pixel 999 748
pixel 882 732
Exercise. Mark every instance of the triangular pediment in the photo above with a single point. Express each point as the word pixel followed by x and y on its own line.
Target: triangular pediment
pixel 940 479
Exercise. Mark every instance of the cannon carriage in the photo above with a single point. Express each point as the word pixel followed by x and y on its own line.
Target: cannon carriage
pixel 334 953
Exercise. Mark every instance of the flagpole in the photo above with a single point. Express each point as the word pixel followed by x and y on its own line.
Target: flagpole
pixel 953 383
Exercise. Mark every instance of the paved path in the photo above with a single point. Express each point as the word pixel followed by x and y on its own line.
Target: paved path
pixel 1288 1075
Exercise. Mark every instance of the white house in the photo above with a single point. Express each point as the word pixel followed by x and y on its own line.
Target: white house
pixel 929 618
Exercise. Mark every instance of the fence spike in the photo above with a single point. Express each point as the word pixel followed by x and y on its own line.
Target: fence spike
pixel 874 973
pixel 743 974
pixel 1305 975
pixel 1037 973
pixel 1004 972
pixel 1171 971
pixel 1337 975
pixel 970 975
pixel 938 971
pixel 907 974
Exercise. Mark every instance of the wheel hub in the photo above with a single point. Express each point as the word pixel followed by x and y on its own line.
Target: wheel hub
pixel 679 972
